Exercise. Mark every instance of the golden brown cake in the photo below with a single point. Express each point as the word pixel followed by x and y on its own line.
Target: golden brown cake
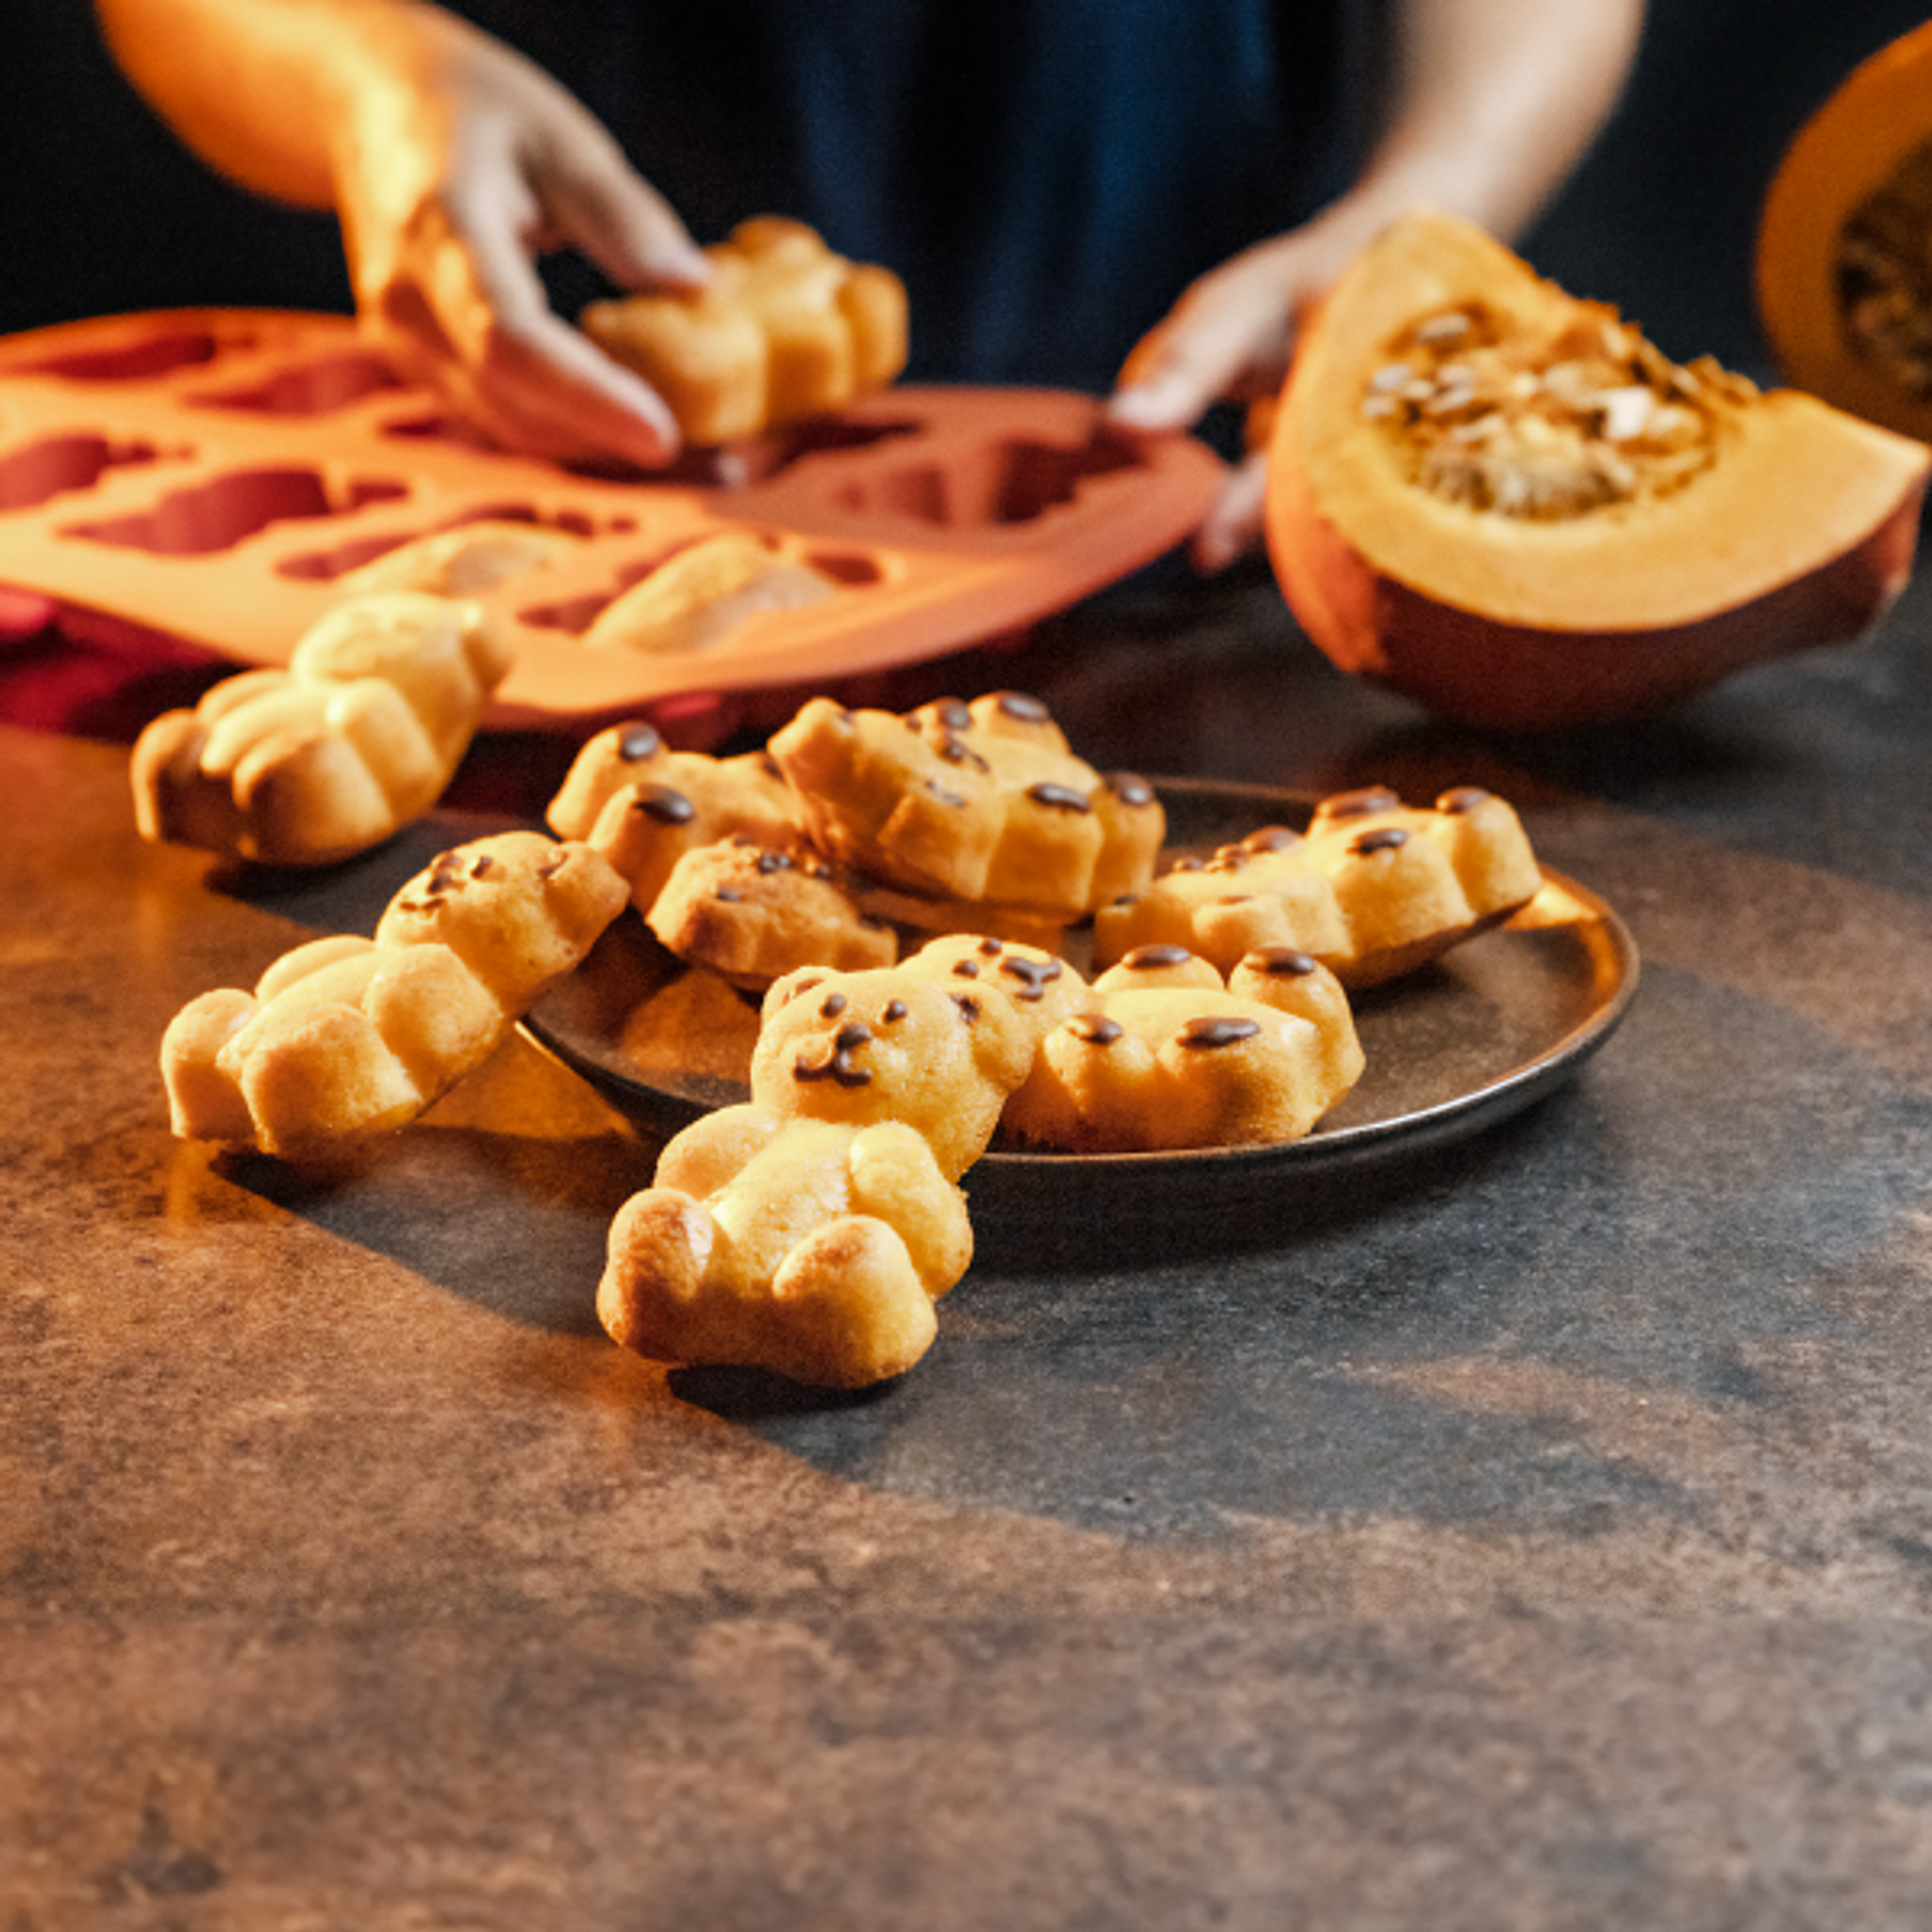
pixel 1161 1057
pixel 811 1229
pixel 698 597
pixel 753 913
pixel 461 562
pixel 346 1038
pixel 981 803
pixel 1373 890
pixel 359 736
pixel 643 806
pixel 1041 986
pixel 785 329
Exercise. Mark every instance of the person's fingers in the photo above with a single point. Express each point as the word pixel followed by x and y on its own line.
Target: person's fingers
pixel 620 222
pixel 525 362
pixel 547 372
pixel 1233 526
pixel 1227 338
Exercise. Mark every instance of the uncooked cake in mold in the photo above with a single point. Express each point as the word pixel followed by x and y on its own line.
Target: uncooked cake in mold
pixel 219 477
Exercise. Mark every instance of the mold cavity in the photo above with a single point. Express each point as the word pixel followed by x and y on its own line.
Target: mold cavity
pixel 324 566
pixel 851 567
pixel 1004 483
pixel 817 433
pixel 919 491
pixel 311 389
pixel 63 464
pixel 219 514
pixel 135 361
pixel 575 615
pixel 438 427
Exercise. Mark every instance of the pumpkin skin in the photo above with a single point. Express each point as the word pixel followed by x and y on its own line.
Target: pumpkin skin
pixel 1800 532
pixel 1849 150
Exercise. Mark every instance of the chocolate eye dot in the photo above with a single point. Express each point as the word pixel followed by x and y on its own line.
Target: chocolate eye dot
pixel 833 1005
pixel 895 1009
pixel 1217 1029
pixel 1349 804
pixel 1384 839
pixel 1060 797
pixel 1285 961
pixel 1094 1029
pixel 1150 959
pixel 665 804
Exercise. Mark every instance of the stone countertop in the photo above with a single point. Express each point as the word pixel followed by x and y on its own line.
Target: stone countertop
pixel 1534 1534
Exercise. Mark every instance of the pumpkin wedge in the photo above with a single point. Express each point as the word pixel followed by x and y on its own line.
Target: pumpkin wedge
pixel 1843 273
pixel 1506 503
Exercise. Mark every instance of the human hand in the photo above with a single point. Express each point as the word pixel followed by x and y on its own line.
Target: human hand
pixel 450 182
pixel 1230 339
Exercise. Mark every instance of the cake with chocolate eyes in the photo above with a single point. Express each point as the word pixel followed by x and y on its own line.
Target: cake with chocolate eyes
pixel 1160 1055
pixel 631 796
pixel 982 805
pixel 345 1037
pixel 752 913
pixel 1043 987
pixel 1373 889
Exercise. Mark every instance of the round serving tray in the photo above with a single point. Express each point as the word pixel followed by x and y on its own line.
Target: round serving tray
pixel 1474 1038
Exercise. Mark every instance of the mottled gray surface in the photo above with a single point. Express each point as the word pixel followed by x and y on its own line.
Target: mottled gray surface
pixel 1538 1534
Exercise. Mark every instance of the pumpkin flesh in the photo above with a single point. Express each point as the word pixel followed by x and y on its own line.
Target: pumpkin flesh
pixel 1652 566
pixel 1843 282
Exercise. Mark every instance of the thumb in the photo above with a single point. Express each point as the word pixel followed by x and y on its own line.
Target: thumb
pixel 1228 337
pixel 1169 381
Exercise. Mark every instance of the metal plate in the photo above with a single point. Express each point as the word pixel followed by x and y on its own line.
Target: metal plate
pixel 1466 1043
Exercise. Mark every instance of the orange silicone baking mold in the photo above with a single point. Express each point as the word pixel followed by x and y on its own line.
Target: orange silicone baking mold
pixel 210 474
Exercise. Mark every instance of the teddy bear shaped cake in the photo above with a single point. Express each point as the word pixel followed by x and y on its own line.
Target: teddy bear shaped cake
pixel 358 736
pixel 784 328
pixel 811 1229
